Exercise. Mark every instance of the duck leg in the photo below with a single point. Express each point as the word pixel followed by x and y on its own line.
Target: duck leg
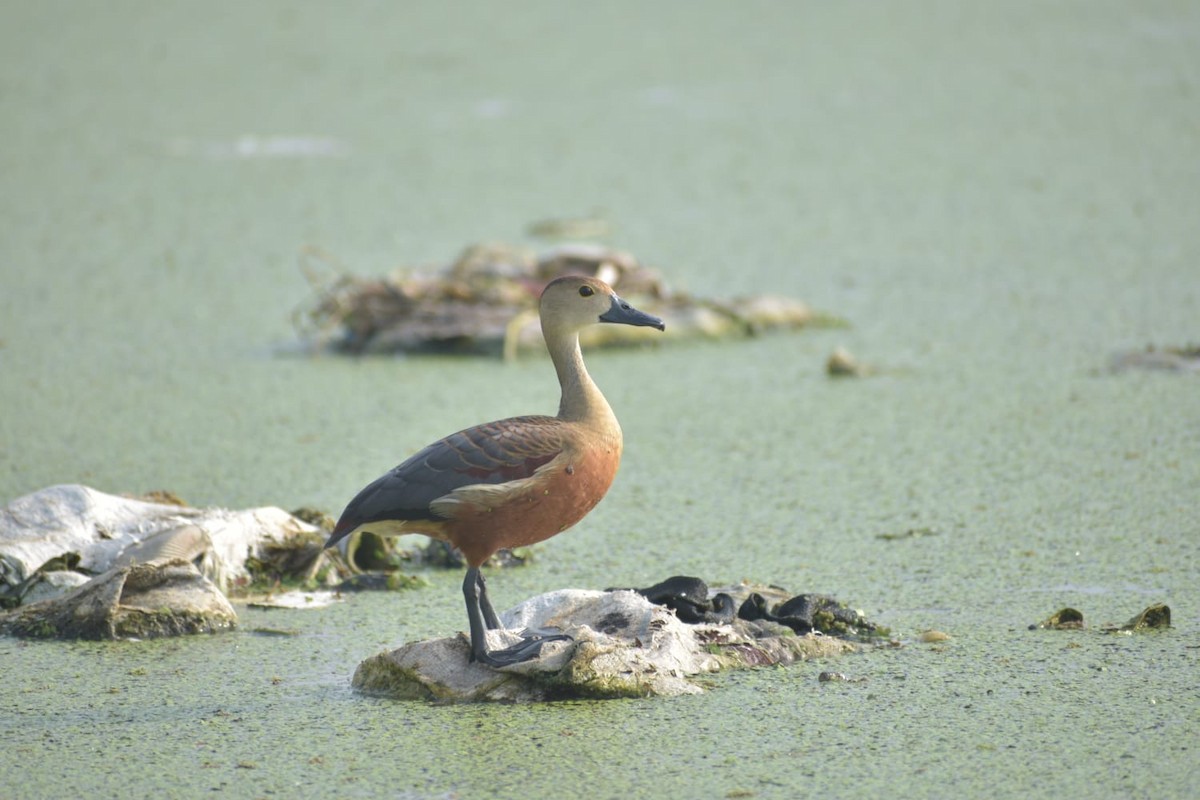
pixel 485 605
pixel 525 650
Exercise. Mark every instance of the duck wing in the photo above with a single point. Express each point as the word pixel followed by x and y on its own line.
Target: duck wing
pixel 492 453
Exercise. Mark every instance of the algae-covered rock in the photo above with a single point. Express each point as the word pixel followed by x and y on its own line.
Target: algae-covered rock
pixel 1063 619
pixel 164 597
pixel 1155 617
pixel 622 646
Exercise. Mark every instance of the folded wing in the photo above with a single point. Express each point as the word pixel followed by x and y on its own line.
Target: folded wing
pixel 493 453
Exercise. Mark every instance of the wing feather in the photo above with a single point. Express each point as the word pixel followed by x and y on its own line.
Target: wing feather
pixel 493 453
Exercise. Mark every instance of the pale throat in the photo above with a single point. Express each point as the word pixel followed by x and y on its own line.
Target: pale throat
pixel 581 398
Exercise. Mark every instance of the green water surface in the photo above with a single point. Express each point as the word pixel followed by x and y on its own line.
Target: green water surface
pixel 997 195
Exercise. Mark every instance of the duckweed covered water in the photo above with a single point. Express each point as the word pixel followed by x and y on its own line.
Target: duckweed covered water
pixel 997 198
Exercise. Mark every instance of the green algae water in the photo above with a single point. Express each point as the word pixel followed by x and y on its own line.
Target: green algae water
pixel 997 197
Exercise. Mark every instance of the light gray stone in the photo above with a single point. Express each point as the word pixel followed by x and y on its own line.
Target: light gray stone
pixel 622 646
pixel 165 597
pixel 77 528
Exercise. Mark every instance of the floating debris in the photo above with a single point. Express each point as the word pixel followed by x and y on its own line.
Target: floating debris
pixel 1062 620
pixel 1169 359
pixel 838 677
pixel 911 533
pixel 165 597
pixel 841 364
pixel 486 302
pixel 933 637
pixel 265 631
pixel 296 599
pixel 57 538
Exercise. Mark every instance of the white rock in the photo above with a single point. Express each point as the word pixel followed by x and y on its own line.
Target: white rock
pixel 165 597
pixel 99 531
pixel 622 646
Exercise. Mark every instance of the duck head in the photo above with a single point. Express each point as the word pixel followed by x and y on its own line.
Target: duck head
pixel 575 301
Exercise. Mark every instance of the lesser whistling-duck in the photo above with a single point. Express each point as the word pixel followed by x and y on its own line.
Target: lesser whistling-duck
pixel 516 481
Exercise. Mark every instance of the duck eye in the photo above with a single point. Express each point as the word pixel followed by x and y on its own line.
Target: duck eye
pixel 586 291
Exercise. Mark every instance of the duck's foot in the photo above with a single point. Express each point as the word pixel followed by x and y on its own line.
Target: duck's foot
pixel 528 649
pixel 483 618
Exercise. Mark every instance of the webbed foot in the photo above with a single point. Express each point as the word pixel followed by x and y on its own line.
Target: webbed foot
pixel 528 649
pixel 482 617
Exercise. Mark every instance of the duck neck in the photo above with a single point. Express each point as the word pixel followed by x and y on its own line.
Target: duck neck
pixel 581 398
